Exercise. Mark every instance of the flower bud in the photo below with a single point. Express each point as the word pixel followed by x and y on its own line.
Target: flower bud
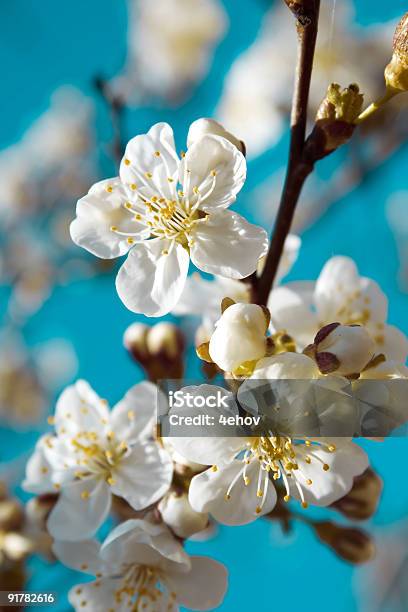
pixel 344 349
pixel 202 127
pixel 180 517
pixel 158 349
pixel 349 543
pixel 239 338
pixel 396 73
pixel 134 340
pixel 362 501
pixel 37 510
pixel 11 515
pixel 335 120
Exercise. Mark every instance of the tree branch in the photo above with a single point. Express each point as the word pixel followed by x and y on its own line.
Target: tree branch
pixel 307 13
pixel 116 107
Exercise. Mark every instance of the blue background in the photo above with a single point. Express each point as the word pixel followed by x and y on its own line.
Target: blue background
pixel 47 44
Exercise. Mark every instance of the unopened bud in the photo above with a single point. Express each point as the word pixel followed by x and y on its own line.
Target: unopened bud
pixel 362 501
pixel 38 509
pixel 349 543
pixel 11 515
pixel 344 349
pixel 158 349
pixel 335 120
pixel 396 73
pixel 239 337
pixel 179 515
pixel 134 340
pixel 203 127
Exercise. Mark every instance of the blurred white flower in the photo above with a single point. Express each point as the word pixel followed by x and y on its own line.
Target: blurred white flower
pixel 190 221
pixel 396 211
pixel 51 157
pixel 170 46
pixel 338 295
pixel 142 566
pixel 202 297
pixel 95 453
pixel 258 89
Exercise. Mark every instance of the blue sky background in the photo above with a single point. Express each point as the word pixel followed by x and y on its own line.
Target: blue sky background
pixel 47 44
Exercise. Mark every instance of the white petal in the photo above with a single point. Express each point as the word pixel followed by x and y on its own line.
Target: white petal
pixel 226 244
pixel 98 596
pixel 150 282
pixel 97 212
pixel 39 471
pixel 143 476
pixel 79 408
pixel 141 161
pixel 208 450
pixel 82 556
pixel 391 341
pixel 203 587
pixel 208 490
pixel 291 310
pixel 203 126
pixel 134 416
pixel 286 366
pixel 140 542
pixel 216 168
pixel 75 517
pixel 347 462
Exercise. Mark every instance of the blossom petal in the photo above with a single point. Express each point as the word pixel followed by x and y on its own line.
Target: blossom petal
pixel 149 162
pixel 391 341
pixel 99 595
pixel 143 476
pixel 208 494
pixel 79 408
pixel 82 556
pixel 192 588
pixel 150 282
pixel 290 308
pixel 81 509
pixel 214 171
pixel 344 464
pixel 226 244
pixel 97 213
pixel 132 418
pixel 206 450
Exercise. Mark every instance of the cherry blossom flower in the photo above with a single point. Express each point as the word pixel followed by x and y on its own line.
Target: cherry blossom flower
pixel 169 210
pixel 142 566
pixel 338 295
pixel 202 297
pixel 95 453
pixel 238 487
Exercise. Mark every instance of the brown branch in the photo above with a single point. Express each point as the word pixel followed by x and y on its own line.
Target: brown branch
pixel 298 168
pixel 116 108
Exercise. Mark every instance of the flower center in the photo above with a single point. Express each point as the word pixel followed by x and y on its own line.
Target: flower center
pixel 278 457
pixel 96 458
pixel 173 218
pixel 144 588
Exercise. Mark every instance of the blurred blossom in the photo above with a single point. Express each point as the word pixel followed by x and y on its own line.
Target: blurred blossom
pixel 383 584
pixel 28 378
pixel 397 208
pixel 170 46
pixel 258 89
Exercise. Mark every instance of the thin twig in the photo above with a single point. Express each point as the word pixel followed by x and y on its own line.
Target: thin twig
pixel 116 108
pixel 298 169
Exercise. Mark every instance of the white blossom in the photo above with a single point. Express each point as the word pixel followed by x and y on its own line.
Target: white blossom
pixel 340 295
pixel 177 513
pixel 95 453
pixel 169 210
pixel 344 349
pixel 142 566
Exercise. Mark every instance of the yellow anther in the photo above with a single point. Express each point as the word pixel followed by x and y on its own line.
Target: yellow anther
pixel 170 179
pixel 57 486
pixel 127 162
pixel 133 186
pixel 51 420
pixel 213 173
pixel 111 481
pixel 227 497
pixel 164 252
pixel 258 509
pixel 214 468
pixel 259 493
pixel 85 494
pixel 305 505
pixel 286 498
pixel 130 241
pixel 157 153
pixel 113 228
pixel 109 188
pixel 44 470
pixel 326 467
pixel 148 175
pixel 137 217
pixel 130 415
pixel 309 481
pixel 247 480
pixel 331 448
